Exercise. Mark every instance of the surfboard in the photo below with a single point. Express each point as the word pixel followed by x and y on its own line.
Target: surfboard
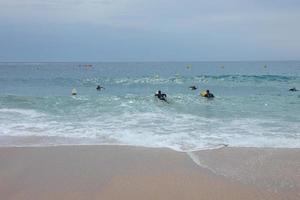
pixel 202 94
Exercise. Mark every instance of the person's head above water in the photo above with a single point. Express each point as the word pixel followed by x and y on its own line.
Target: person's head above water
pixel 159 92
pixel 207 94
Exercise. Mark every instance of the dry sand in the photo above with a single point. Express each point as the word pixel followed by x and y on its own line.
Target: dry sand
pixel 122 172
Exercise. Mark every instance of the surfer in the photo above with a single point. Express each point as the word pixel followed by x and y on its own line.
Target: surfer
pixel 74 92
pixel 99 88
pixel 161 96
pixel 293 89
pixel 207 94
pixel 193 87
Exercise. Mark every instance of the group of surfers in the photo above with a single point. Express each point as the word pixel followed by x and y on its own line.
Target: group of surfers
pixel 163 97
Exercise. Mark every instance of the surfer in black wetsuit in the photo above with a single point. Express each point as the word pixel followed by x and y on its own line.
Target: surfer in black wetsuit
pixel 208 94
pixel 99 88
pixel 161 96
pixel 193 87
pixel 293 89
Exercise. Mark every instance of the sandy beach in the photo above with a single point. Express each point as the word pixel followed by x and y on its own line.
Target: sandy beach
pixel 124 172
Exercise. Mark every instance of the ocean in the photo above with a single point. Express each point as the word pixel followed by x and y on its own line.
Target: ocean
pixel 253 106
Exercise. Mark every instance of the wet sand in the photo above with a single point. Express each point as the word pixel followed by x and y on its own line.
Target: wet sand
pixel 275 170
pixel 123 172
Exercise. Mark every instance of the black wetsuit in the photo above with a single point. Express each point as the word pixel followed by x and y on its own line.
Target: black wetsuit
pixel 209 95
pixel 161 96
pixel 99 87
pixel 193 87
pixel 293 90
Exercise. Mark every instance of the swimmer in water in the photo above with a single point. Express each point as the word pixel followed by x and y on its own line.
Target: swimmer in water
pixel 193 87
pixel 161 96
pixel 74 92
pixel 293 89
pixel 208 94
pixel 99 88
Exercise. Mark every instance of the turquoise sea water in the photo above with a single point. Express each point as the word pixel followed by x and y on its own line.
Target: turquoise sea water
pixel 252 107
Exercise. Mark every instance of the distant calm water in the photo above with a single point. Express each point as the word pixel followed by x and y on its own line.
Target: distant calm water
pixel 253 106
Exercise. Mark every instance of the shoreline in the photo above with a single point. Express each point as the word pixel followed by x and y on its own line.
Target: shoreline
pixel 130 172
pixel 54 141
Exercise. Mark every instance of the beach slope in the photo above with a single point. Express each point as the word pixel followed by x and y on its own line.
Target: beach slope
pixel 116 172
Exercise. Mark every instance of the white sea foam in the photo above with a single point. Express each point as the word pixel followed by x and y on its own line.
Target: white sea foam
pixel 24 112
pixel 181 132
pixel 249 110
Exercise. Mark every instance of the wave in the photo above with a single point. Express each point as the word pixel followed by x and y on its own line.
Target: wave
pixel 23 112
pixel 157 126
pixel 157 80
pixel 187 123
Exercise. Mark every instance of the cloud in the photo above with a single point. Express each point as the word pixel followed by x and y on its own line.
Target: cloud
pixel 191 24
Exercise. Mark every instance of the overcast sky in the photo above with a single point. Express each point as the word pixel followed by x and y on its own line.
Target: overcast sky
pixel 149 30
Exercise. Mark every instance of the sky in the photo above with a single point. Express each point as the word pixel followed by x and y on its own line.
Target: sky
pixel 149 30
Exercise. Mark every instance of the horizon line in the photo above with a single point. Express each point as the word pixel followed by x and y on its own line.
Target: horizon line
pixel 149 61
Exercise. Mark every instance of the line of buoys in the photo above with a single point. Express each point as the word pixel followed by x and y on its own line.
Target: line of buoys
pixel 85 65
